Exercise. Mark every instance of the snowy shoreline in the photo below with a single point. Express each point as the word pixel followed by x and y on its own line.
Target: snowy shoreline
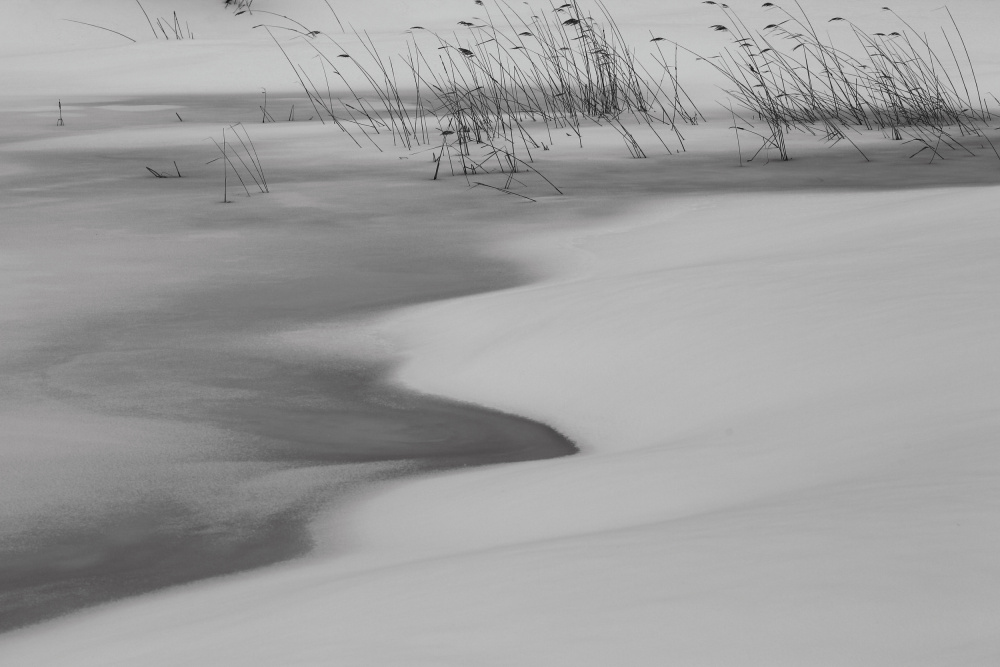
pixel 782 377
pixel 165 421
pixel 804 455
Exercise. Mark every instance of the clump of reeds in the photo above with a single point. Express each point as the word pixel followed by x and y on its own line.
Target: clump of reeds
pixel 163 174
pixel 166 27
pixel 242 158
pixel 561 67
pixel 239 6
pixel 790 77
pixel 485 97
pixel 175 28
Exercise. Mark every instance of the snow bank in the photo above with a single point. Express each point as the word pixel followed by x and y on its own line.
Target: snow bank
pixel 789 432
pixel 787 409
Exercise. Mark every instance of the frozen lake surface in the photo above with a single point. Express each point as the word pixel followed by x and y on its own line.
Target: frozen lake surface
pixel 160 319
pixel 780 375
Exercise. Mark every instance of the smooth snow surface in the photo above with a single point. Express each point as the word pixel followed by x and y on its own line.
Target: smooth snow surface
pixel 783 379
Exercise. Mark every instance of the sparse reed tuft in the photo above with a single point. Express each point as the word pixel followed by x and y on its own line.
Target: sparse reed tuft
pixel 243 162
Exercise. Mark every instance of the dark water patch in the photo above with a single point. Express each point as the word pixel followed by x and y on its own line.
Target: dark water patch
pixel 189 357
pixel 282 415
pixel 324 411
pixel 53 572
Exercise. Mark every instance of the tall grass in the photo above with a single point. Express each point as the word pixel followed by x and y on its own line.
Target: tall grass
pixel 791 77
pixel 167 27
pixel 488 95
pixel 242 158
pixel 239 6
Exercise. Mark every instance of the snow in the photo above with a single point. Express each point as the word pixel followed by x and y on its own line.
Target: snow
pixel 782 379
